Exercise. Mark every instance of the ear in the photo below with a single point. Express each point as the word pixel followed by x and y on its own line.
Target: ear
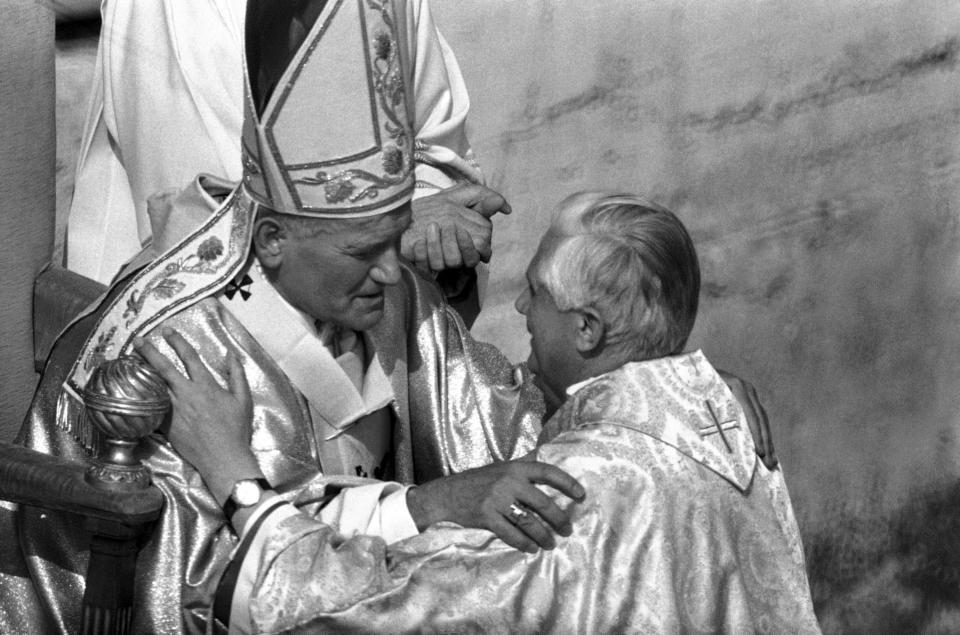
pixel 590 331
pixel 269 238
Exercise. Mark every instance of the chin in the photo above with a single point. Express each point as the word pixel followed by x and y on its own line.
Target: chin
pixel 362 322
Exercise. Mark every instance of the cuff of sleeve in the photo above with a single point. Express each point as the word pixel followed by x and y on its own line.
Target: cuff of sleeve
pixel 400 524
pixel 277 512
pixel 430 180
pixel 251 521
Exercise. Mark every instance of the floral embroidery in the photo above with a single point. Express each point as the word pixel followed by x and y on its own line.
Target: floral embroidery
pixel 396 159
pixel 100 350
pixel 337 189
pixel 382 45
pixel 388 80
pixel 341 186
pixel 165 286
pixel 392 160
pixel 210 249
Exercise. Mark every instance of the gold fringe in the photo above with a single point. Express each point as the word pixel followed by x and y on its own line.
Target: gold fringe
pixel 72 417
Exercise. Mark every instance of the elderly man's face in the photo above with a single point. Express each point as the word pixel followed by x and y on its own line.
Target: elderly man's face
pixel 339 277
pixel 553 353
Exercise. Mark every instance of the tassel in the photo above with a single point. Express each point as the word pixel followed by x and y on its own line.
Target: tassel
pixel 72 418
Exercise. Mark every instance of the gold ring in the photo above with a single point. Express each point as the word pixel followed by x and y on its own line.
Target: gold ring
pixel 518 513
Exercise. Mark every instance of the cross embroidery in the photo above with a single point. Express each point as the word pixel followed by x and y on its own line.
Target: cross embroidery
pixel 243 287
pixel 718 426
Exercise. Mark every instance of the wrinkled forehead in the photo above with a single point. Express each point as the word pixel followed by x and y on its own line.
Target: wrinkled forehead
pixel 370 229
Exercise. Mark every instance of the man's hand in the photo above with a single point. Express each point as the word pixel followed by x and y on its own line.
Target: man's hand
pixel 757 420
pixel 501 497
pixel 452 228
pixel 210 426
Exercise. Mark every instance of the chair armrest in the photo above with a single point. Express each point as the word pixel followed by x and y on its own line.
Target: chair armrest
pixel 59 296
pixel 41 480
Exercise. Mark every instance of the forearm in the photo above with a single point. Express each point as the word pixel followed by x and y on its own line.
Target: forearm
pixel 376 511
pixel 378 508
pixel 360 583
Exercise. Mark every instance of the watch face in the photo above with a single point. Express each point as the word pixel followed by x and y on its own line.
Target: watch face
pixel 246 493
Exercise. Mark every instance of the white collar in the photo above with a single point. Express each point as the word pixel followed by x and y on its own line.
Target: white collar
pixel 299 352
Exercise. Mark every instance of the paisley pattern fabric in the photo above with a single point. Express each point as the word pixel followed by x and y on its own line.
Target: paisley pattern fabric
pixel 682 530
pixel 457 404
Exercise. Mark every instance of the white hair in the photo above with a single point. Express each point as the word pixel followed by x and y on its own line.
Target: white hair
pixel 630 260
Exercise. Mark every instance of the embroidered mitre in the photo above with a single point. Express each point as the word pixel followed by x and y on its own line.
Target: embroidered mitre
pixel 326 132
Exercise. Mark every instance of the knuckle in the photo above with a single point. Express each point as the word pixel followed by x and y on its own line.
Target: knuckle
pixel 519 467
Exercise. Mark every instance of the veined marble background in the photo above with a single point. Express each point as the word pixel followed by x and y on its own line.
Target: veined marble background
pixel 812 149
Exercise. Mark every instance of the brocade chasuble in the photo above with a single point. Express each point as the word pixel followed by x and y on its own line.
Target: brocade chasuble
pixel 683 530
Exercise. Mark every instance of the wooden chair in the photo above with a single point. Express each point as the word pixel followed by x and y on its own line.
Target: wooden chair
pixel 115 513
pixel 109 491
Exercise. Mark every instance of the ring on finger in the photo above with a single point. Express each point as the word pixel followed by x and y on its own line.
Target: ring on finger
pixel 517 513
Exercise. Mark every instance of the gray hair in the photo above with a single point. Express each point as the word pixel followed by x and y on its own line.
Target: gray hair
pixel 630 260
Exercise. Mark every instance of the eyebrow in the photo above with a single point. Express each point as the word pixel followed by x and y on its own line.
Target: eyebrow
pixel 363 245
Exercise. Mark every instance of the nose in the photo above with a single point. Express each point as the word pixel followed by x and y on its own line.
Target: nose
pixel 386 270
pixel 522 302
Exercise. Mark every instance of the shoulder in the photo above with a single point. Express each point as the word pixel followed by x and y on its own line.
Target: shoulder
pixel 411 301
pixel 195 317
pixel 210 328
pixel 630 495
pixel 605 454
pixel 600 446
pixel 608 457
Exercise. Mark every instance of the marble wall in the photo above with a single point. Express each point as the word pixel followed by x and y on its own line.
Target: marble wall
pixel 812 150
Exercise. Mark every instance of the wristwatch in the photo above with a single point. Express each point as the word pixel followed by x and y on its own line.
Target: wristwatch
pixel 246 492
